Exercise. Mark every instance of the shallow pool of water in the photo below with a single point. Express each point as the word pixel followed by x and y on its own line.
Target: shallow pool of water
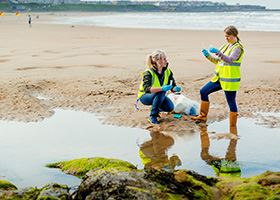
pixel 27 147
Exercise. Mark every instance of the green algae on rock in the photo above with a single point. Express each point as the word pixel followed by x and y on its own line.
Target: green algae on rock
pixel 54 191
pixel 267 178
pixel 48 192
pixel 182 182
pixel 79 167
pixel 150 184
pixel 263 186
pixel 103 184
pixel 5 185
pixel 29 193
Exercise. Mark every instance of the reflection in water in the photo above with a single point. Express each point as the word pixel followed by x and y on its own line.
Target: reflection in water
pixel 153 153
pixel 227 166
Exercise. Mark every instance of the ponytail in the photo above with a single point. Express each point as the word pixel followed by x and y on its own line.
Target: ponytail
pixel 149 62
pixel 238 40
pixel 152 58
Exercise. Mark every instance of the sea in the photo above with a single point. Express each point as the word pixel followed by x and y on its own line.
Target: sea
pixel 246 21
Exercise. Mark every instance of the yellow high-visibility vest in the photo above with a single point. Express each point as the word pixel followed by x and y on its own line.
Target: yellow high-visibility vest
pixel 229 73
pixel 155 81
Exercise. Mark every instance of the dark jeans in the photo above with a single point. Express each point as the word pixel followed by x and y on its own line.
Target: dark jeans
pixel 159 101
pixel 211 87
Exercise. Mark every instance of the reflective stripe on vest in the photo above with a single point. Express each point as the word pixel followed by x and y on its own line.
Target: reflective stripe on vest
pixel 230 64
pixel 229 73
pixel 155 81
pixel 230 79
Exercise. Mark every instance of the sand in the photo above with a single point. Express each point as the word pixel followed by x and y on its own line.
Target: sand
pixel 97 69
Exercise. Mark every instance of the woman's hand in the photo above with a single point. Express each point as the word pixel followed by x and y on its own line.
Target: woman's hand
pixel 165 88
pixel 177 89
pixel 205 52
pixel 213 50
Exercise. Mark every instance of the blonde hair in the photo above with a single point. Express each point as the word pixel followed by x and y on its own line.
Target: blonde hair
pixel 153 57
pixel 232 30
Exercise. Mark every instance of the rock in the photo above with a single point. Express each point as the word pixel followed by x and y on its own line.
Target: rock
pixel 269 178
pixel 250 191
pixel 139 184
pixel 54 192
pixel 9 195
pixel 80 167
pixel 5 185
pixel 29 193
pixel 181 182
pixel 264 186
pixel 48 192
pixel 114 184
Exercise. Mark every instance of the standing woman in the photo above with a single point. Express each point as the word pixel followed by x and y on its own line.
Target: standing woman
pixel 227 75
pixel 157 80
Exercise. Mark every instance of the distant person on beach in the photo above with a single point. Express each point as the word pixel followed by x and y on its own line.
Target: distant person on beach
pixel 227 75
pixel 29 21
pixel 157 80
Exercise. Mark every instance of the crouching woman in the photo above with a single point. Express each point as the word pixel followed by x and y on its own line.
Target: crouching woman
pixel 157 80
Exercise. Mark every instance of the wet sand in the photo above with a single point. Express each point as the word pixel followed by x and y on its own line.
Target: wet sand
pixel 98 69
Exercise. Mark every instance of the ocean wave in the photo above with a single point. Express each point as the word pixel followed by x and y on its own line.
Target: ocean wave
pixel 252 21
